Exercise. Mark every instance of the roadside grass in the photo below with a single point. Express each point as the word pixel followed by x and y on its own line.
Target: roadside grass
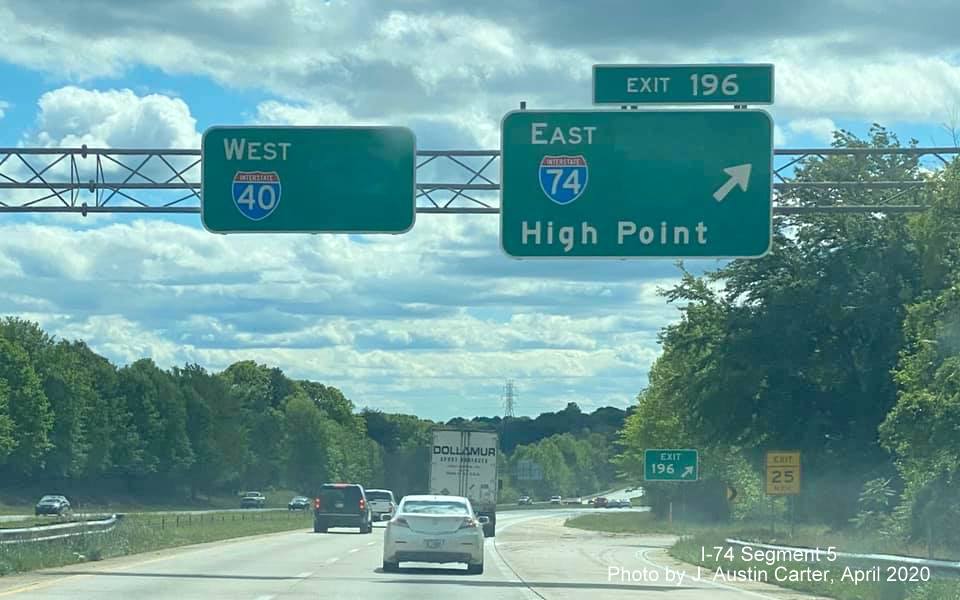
pixel 632 522
pixel 145 533
pixel 704 545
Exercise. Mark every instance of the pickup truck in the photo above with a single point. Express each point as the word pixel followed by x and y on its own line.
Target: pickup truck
pixel 253 500
pixel 382 504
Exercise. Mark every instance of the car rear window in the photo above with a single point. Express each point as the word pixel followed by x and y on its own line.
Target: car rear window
pixel 435 507
pixel 347 495
pixel 379 496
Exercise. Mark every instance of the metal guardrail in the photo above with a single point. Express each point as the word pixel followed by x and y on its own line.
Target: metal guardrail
pixel 58 531
pixel 941 565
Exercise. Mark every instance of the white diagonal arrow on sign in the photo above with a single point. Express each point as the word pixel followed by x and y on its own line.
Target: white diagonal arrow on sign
pixel 739 175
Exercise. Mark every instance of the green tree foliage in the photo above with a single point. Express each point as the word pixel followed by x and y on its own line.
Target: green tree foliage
pixel 571 466
pixel 71 393
pixel 28 410
pixel 7 440
pixel 71 420
pixel 309 444
pixel 921 430
pixel 794 350
pixel 160 416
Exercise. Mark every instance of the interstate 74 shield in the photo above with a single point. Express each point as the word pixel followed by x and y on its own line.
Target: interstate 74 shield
pixel 256 193
pixel 563 178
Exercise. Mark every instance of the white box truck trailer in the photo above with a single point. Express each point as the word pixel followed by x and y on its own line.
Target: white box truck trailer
pixel 464 463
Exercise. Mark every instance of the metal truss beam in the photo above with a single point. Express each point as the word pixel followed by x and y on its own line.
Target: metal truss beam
pixel 167 181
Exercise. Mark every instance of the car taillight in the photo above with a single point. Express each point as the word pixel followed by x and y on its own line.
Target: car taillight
pixel 363 504
pixel 316 503
pixel 469 523
pixel 399 522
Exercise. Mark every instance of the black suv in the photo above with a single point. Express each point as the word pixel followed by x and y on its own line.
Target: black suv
pixel 342 505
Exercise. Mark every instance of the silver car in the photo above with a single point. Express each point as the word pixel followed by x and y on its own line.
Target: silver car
pixel 434 529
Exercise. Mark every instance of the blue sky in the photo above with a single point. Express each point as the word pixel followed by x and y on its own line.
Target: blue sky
pixel 434 321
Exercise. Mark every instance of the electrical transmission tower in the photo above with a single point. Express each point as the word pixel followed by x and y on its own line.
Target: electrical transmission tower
pixel 509 398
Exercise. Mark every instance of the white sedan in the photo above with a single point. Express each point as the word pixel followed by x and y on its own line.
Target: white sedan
pixel 434 529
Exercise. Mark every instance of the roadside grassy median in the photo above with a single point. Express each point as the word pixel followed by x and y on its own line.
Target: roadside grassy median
pixel 625 522
pixel 147 532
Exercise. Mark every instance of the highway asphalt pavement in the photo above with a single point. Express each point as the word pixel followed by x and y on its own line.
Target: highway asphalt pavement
pixel 533 557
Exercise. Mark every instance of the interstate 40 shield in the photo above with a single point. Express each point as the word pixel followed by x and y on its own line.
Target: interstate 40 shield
pixel 256 193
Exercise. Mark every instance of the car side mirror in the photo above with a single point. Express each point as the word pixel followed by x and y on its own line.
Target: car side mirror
pixel 385 517
pixel 483 519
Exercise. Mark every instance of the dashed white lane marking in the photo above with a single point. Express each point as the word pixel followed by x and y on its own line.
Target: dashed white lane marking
pixel 330 561
pixel 352 550
pixel 267 597
pixel 305 574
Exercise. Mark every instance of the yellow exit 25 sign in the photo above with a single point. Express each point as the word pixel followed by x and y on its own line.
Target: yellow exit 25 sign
pixel 783 473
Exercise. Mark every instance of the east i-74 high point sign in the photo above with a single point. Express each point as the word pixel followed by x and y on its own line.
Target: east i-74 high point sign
pixel 636 184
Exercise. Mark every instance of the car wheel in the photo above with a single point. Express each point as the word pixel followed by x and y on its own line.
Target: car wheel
pixel 475 569
pixel 319 527
pixel 391 566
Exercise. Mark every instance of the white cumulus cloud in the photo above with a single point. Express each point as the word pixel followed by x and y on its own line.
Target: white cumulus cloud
pixel 820 128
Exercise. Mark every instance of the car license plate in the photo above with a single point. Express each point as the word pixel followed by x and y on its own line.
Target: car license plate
pixel 434 543
pixel 338 505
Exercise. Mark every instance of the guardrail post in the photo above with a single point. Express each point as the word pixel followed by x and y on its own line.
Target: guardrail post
pixel 163 522
pixel 178 520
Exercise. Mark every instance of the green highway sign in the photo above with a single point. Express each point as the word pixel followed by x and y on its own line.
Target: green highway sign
pixel 636 184
pixel 683 84
pixel 671 465
pixel 308 179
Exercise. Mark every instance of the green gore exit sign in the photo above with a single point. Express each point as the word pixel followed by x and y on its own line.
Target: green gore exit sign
pixel 636 184
pixel 308 179
pixel 671 465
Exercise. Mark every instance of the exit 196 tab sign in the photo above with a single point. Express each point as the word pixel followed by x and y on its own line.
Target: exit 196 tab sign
pixel 636 184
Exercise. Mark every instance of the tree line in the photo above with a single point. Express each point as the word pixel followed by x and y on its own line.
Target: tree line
pixel 843 342
pixel 70 420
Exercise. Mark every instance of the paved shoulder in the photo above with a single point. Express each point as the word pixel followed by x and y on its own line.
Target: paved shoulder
pixel 563 563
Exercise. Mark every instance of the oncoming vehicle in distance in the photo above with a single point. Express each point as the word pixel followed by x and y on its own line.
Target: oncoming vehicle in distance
pixel 52 505
pixel 524 500
pixel 382 504
pixel 434 529
pixel 299 503
pixel 342 505
pixel 253 500
pixel 556 499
